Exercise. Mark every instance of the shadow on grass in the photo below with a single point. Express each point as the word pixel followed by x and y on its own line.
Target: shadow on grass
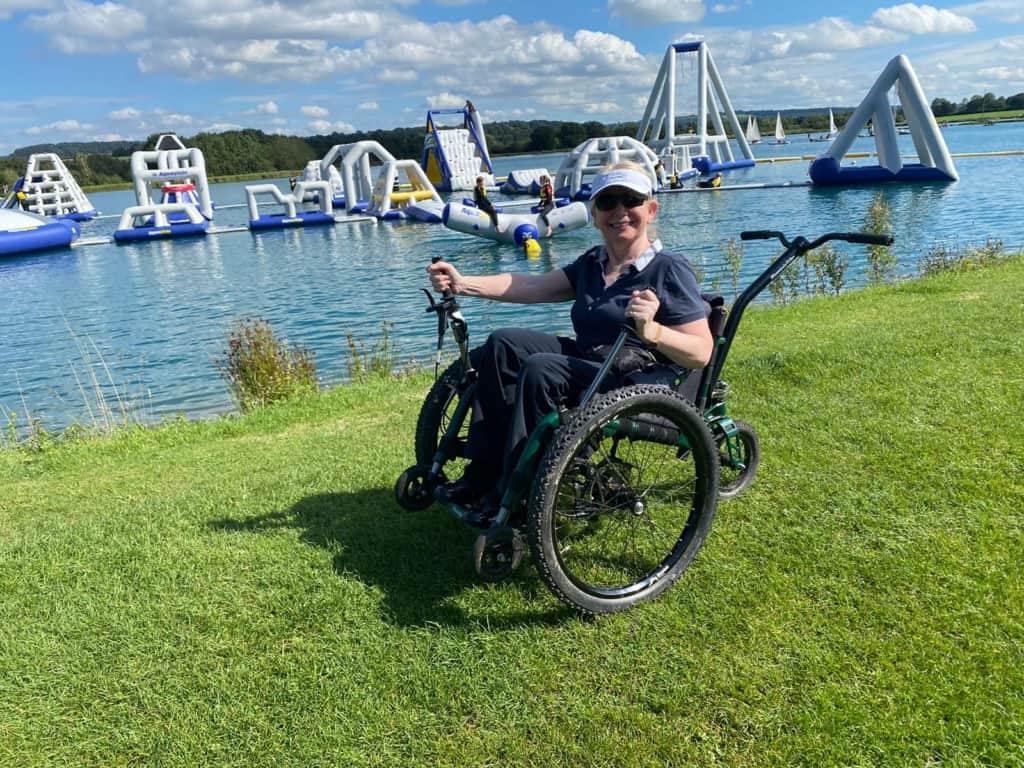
pixel 420 560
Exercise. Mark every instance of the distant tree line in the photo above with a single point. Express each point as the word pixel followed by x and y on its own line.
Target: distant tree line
pixel 250 151
pixel 977 104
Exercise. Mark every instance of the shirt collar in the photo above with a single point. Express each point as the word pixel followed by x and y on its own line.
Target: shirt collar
pixel 642 260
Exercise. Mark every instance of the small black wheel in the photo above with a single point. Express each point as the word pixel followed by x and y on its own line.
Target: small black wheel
pixel 435 415
pixel 739 467
pixel 412 491
pixel 623 499
pixel 497 553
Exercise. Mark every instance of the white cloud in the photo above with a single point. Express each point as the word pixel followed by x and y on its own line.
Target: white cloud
pixel 369 106
pixel 1010 74
pixel 652 12
pixel 222 128
pixel 81 27
pixel 59 126
pixel 922 20
pixel 602 107
pixel 445 100
pixel 325 126
pixel 267 108
pixel 128 113
pixel 1004 11
pixel 8 7
pixel 314 111
pixel 722 8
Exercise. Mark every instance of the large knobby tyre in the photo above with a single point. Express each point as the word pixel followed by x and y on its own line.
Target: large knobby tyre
pixel 735 479
pixel 623 499
pixel 435 414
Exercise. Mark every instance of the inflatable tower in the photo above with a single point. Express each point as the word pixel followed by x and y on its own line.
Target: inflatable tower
pixel 707 148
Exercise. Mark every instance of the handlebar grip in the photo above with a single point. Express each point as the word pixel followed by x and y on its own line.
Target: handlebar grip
pixel 758 234
pixel 434 259
pixel 866 238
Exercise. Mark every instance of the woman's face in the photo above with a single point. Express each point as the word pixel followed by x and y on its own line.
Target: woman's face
pixel 622 225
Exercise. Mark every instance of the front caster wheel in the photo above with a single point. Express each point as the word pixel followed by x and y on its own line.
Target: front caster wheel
pixel 739 465
pixel 497 553
pixel 412 491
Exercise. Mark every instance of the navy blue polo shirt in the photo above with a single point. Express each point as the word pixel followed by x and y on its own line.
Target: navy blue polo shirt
pixel 599 310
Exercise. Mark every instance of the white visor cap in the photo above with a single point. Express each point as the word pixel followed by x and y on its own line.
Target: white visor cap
pixel 637 181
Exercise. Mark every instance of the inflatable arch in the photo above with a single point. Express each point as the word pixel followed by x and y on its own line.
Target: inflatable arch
pixel 706 151
pixel 454 157
pixel 589 157
pixel 317 191
pixel 49 189
pixel 935 163
pixel 356 187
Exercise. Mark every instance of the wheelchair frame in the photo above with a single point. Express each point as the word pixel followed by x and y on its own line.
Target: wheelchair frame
pixel 498 550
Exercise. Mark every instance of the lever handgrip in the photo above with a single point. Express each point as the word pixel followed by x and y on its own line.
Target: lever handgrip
pixel 866 238
pixel 758 234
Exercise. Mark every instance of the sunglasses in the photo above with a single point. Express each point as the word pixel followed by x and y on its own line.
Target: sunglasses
pixel 626 199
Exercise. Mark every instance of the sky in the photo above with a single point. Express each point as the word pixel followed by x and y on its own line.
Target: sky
pixel 80 70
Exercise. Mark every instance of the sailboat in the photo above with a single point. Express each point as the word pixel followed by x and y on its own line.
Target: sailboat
pixel 832 130
pixel 780 134
pixel 753 132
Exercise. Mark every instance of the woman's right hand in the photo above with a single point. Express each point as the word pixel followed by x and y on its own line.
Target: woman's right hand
pixel 444 277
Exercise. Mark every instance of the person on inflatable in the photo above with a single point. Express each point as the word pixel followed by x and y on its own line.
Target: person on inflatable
pixel 484 204
pixel 523 375
pixel 547 202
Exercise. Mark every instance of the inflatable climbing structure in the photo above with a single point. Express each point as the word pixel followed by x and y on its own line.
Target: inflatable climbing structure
pixel 49 189
pixel 454 156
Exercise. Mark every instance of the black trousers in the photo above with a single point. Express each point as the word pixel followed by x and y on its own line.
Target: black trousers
pixel 523 375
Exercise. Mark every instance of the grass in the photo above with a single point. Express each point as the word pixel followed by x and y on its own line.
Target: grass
pixel 246 593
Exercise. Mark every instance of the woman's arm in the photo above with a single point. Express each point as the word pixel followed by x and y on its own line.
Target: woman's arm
pixel 514 287
pixel 688 344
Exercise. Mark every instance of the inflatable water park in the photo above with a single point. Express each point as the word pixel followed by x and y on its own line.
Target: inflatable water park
pixel 363 181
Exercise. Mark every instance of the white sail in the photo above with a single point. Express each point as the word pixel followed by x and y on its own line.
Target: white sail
pixel 832 130
pixel 753 132
pixel 780 134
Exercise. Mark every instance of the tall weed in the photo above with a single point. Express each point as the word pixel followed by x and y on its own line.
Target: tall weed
pixel 261 368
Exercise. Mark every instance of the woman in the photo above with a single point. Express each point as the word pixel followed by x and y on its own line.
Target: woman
pixel 524 375
pixel 547 202
pixel 484 204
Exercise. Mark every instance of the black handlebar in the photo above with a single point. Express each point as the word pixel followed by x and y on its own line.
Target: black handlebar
pixel 864 238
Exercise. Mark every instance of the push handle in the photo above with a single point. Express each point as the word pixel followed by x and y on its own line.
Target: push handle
pixel 866 238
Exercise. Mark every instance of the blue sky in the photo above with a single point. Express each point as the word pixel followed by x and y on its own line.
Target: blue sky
pixel 85 70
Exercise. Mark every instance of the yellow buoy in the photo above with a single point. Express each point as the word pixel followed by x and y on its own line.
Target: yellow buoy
pixel 532 248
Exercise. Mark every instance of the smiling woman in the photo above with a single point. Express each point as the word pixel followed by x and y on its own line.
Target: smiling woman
pixel 524 374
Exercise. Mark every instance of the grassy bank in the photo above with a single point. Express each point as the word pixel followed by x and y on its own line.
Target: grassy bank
pixel 245 592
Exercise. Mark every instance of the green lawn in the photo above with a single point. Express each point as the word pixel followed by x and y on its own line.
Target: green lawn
pixel 246 592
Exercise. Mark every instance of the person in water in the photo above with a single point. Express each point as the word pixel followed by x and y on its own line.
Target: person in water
pixel 484 203
pixel 523 375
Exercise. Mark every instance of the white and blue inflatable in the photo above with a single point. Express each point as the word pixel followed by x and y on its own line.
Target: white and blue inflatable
pixel 23 232
pixel 318 191
pixel 515 228
pixel 934 161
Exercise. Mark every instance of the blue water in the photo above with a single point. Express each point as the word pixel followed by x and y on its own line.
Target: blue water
pixel 143 323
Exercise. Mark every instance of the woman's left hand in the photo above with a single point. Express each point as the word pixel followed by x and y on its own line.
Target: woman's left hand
pixel 642 307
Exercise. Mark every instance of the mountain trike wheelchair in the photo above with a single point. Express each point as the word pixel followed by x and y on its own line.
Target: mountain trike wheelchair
pixel 615 496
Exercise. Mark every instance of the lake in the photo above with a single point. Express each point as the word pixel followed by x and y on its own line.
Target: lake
pixel 148 320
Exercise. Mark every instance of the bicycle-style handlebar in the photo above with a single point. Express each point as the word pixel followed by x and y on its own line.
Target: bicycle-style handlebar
pixel 864 238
